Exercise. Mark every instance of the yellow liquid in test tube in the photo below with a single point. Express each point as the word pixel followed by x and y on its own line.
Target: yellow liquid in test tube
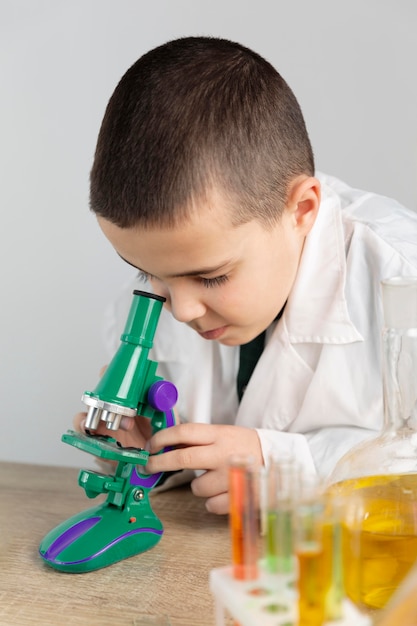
pixel 379 536
pixel 315 565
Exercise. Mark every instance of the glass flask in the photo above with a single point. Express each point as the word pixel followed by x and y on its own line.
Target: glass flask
pixel 377 479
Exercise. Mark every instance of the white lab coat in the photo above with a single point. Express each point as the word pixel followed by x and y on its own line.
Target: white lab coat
pixel 317 388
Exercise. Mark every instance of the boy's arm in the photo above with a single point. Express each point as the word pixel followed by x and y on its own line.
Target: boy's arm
pixel 316 451
pixel 209 447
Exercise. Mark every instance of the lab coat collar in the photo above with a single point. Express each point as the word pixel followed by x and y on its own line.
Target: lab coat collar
pixel 316 310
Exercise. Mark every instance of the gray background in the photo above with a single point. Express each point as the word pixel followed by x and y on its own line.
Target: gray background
pixel 352 66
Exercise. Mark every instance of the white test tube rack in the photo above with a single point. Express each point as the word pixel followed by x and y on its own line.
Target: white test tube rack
pixel 269 600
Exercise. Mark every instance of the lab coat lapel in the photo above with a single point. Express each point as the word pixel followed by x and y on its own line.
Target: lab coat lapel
pixel 272 398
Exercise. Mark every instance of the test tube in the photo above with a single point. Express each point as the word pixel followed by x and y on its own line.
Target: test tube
pixel 313 549
pixel 333 543
pixel 281 487
pixel 243 486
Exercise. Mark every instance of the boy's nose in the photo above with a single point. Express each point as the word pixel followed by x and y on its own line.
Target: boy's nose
pixel 184 307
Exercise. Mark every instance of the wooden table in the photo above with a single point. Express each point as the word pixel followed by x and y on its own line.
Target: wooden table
pixel 170 579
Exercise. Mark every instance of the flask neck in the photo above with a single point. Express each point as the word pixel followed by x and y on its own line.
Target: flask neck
pixel 400 379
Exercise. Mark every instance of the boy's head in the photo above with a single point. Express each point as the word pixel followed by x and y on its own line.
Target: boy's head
pixel 203 180
pixel 195 115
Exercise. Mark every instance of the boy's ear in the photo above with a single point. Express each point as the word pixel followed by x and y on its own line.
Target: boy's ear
pixel 304 202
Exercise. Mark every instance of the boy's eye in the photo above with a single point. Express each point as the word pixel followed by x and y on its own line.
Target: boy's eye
pixel 207 282
pixel 214 282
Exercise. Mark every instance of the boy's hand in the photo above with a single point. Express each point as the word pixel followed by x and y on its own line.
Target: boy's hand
pixel 133 432
pixel 204 447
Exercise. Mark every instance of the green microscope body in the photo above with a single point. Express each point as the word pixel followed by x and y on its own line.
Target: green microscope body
pixel 124 524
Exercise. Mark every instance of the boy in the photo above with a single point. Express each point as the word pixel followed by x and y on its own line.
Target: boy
pixel 204 180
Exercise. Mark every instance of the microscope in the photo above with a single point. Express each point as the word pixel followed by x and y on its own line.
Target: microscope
pixel 124 524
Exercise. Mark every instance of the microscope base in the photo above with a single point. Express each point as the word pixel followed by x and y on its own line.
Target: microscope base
pixel 99 537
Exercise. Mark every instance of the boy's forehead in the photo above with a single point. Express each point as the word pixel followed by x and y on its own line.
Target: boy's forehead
pixel 197 246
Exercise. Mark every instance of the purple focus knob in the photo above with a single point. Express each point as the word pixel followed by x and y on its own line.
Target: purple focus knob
pixel 162 395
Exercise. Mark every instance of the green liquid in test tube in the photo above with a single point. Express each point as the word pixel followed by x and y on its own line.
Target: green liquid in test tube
pixel 279 553
pixel 281 486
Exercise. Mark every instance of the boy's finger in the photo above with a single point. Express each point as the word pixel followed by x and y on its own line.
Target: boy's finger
pixel 189 457
pixel 78 421
pixel 181 435
pixel 218 504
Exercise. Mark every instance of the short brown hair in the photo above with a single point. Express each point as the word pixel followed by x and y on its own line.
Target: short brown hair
pixel 194 114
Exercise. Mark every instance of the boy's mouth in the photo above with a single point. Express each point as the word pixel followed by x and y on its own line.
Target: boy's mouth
pixel 212 334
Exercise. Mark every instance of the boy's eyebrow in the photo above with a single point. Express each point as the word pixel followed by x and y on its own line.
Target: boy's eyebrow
pixel 204 270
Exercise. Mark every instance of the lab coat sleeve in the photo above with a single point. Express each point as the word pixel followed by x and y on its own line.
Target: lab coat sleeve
pixel 317 451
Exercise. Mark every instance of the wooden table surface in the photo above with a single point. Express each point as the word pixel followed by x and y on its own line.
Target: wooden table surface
pixel 170 579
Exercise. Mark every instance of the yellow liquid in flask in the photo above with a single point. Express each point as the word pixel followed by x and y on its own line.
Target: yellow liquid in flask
pixel 379 535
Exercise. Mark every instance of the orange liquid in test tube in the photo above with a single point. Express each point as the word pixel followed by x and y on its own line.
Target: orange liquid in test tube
pixel 243 520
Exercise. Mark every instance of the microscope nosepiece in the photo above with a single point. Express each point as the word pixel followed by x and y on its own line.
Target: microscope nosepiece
pixel 93 418
pixel 113 420
pixel 108 412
